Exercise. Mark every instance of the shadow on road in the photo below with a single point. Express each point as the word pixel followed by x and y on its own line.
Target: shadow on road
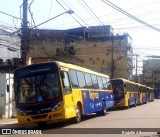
pixel 49 126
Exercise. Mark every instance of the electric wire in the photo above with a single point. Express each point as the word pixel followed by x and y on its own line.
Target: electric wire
pixel 76 14
pixel 92 12
pixel 112 14
pixel 49 12
pixel 10 15
pixel 29 7
pixel 129 15
pixel 71 15
pixel 88 11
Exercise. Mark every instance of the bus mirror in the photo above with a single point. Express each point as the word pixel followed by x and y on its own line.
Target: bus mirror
pixel 125 85
pixel 62 75
pixel 8 89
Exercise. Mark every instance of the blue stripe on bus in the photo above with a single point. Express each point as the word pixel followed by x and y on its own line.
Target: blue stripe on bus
pixel 92 100
pixel 133 99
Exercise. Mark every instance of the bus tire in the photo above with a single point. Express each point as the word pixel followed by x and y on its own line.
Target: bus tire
pixel 78 117
pixel 103 112
pixel 145 101
pixel 128 104
pixel 142 102
pixel 135 103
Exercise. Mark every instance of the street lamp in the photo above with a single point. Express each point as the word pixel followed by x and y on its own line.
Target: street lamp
pixel 24 39
pixel 69 12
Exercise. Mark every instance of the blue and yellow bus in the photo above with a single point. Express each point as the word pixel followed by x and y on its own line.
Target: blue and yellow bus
pixel 54 91
pixel 125 92
pixel 157 93
pixel 150 94
pixel 143 94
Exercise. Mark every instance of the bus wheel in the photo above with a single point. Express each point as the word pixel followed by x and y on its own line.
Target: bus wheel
pixel 142 102
pixel 145 101
pixel 103 112
pixel 78 115
pixel 42 124
pixel 135 103
pixel 128 104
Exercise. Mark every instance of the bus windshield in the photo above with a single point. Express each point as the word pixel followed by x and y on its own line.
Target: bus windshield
pixel 38 88
pixel 118 89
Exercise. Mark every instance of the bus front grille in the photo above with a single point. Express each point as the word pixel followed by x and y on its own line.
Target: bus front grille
pixel 39 116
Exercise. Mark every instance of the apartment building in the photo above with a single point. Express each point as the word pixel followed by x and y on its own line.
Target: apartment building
pixel 95 47
pixel 151 73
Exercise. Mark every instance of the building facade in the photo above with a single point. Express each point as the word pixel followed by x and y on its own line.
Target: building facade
pixel 7 102
pixel 151 73
pixel 95 47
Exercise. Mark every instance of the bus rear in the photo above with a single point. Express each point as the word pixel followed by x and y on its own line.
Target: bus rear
pixel 125 92
pixel 118 92
pixel 38 93
pixel 150 94
pixel 157 94
pixel 143 93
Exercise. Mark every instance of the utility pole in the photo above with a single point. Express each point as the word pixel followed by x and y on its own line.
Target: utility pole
pixel 136 67
pixel 24 37
pixel 153 77
pixel 112 60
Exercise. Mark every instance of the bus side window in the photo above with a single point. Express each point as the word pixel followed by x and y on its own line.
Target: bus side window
pixel 88 80
pixel 73 78
pixel 100 82
pixel 105 84
pixel 94 81
pixel 81 79
pixel 66 83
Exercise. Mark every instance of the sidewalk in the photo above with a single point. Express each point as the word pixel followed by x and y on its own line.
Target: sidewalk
pixel 6 121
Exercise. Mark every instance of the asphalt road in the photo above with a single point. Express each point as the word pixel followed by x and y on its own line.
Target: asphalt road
pixel 143 116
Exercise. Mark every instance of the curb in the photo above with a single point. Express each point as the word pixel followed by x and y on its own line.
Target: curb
pixel 6 121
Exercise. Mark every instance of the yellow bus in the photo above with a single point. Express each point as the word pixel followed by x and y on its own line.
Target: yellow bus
pixel 150 94
pixel 125 92
pixel 55 91
pixel 143 94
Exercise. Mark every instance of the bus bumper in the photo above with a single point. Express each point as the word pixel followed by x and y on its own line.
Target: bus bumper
pixel 52 116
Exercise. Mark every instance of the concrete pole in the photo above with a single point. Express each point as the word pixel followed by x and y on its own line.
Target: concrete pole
pixel 24 37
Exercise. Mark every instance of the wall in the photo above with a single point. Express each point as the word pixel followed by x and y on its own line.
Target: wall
pixel 91 52
pixel 6 98
pixel 151 72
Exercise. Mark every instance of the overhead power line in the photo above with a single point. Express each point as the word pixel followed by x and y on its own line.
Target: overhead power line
pixel 71 15
pixel 92 12
pixel 75 14
pixel 129 15
pixel 10 15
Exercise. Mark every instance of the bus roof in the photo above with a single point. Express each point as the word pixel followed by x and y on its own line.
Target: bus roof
pixel 139 84
pixel 67 65
pixel 149 87
pixel 76 67
pixel 124 80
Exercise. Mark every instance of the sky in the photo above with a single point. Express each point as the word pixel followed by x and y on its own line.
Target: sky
pixel 145 41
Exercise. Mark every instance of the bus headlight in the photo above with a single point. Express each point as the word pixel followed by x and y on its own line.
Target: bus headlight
pixel 20 112
pixel 58 106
